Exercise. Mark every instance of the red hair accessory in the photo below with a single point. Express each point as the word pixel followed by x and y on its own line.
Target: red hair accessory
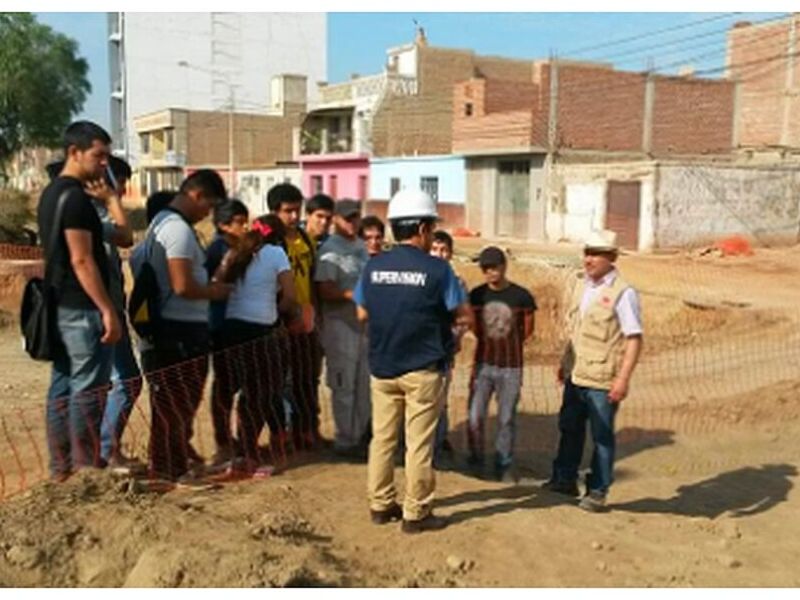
pixel 262 228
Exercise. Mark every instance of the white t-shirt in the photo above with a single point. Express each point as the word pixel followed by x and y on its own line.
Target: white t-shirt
pixel 255 297
pixel 628 308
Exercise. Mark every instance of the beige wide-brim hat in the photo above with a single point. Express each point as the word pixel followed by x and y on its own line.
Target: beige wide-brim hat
pixel 602 241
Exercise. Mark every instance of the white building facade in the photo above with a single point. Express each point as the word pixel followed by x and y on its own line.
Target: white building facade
pixel 207 61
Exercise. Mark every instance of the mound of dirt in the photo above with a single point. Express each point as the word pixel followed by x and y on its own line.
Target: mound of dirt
pixel 100 531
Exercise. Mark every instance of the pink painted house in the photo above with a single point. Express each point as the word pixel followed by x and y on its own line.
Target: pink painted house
pixel 339 176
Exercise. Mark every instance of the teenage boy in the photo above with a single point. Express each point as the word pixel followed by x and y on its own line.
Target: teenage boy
pixel 442 247
pixel 177 364
pixel 87 322
pixel 319 213
pixel 504 320
pixel 305 353
pixel 231 219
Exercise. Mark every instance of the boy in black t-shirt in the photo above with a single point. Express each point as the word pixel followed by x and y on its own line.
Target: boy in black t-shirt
pixel 504 319
pixel 88 324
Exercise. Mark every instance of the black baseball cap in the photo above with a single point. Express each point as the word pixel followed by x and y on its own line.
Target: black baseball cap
pixel 491 257
pixel 347 208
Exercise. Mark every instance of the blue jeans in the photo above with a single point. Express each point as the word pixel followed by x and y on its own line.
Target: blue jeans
pixel 78 386
pixel 505 383
pixel 126 382
pixel 579 405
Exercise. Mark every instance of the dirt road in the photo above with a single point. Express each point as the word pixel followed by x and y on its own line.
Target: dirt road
pixel 709 453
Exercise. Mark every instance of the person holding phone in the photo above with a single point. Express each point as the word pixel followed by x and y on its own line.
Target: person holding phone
pixel 87 322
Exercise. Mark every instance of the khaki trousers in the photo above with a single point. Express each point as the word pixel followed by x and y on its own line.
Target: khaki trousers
pixel 417 397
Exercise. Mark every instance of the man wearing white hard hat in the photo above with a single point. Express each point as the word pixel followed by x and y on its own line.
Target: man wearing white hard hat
pixel 411 301
pixel 605 340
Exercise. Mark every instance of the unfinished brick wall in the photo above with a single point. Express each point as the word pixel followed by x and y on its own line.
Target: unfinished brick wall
pixel 599 109
pixel 495 67
pixel 502 114
pixel 259 141
pixel 759 57
pixel 691 116
pixel 422 124
pixel 469 96
pixel 495 131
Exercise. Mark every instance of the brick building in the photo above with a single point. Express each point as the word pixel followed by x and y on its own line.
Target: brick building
pixel 763 59
pixel 175 141
pixel 371 135
pixel 514 133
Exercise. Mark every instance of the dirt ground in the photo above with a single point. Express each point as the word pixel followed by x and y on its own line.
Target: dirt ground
pixel 709 453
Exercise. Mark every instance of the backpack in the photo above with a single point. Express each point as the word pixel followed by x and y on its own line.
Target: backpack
pixel 39 307
pixel 144 310
pixel 144 304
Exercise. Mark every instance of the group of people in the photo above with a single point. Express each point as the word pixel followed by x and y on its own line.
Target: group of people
pixel 271 299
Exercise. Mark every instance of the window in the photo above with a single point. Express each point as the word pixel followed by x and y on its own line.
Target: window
pixel 514 166
pixel 169 139
pixel 144 140
pixel 333 186
pixel 394 186
pixel 316 184
pixel 362 187
pixel 431 186
pixel 468 109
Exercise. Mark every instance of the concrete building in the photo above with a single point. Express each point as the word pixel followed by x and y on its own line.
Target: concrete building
pixel 172 142
pixel 401 115
pixel 678 202
pixel 207 62
pixel 442 176
pixel 515 134
pixel 763 59
pixel 252 185
pixel 336 138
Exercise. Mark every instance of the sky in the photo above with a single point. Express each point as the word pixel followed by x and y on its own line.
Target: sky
pixel 357 42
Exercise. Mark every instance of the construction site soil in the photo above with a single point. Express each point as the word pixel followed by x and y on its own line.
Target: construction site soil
pixel 708 454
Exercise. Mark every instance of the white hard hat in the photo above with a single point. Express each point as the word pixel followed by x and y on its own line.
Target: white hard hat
pixel 602 240
pixel 409 204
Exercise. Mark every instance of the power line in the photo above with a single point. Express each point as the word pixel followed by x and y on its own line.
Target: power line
pixel 642 50
pixel 650 34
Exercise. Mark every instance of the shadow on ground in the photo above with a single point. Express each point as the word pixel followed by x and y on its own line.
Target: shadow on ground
pixel 537 441
pixel 744 492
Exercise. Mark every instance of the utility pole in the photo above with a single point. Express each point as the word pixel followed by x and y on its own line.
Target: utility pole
pixel 231 106
pixel 231 109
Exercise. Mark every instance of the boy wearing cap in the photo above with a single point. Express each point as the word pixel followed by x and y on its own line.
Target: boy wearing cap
pixel 504 320
pixel 342 258
pixel 605 330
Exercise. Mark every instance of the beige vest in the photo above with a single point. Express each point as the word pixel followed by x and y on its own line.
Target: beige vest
pixel 594 353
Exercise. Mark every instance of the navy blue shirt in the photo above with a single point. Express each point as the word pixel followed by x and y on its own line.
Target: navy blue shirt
pixel 410 296
pixel 216 308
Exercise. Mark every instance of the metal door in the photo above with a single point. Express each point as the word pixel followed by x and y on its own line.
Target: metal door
pixel 622 212
pixel 513 198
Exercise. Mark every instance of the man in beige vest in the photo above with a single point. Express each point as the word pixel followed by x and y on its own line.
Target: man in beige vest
pixel 605 329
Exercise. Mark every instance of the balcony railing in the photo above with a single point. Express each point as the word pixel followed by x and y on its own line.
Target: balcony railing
pixel 373 85
pixel 322 142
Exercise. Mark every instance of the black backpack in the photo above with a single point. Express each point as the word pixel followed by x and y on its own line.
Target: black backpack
pixel 144 303
pixel 39 308
pixel 144 310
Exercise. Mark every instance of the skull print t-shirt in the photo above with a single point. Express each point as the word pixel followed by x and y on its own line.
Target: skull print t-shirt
pixel 500 319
